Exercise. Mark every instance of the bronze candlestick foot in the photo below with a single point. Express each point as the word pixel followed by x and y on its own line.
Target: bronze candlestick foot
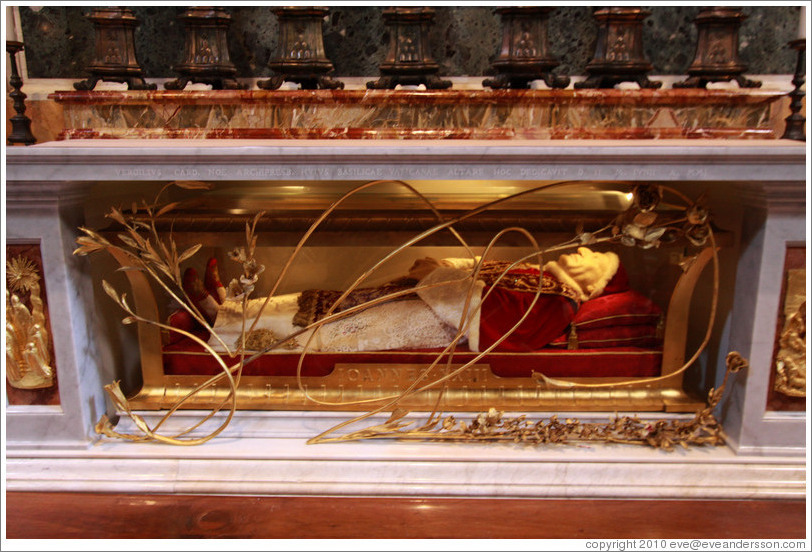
pixel 509 81
pixel 796 123
pixel 321 82
pixel 217 83
pixel 717 50
pixel 525 56
pixel 408 61
pixel 206 59
pixel 609 81
pixel 301 44
pixel 702 82
pixel 20 123
pixel 114 54
pixel 133 83
pixel 389 82
pixel 619 50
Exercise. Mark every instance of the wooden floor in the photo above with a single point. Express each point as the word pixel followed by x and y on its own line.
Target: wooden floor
pixel 77 515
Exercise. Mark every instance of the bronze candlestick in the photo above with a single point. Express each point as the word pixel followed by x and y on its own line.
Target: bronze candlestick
pixel 796 122
pixel 717 50
pixel 525 55
pixel 301 45
pixel 206 59
pixel 409 61
pixel 20 124
pixel 619 50
pixel 114 54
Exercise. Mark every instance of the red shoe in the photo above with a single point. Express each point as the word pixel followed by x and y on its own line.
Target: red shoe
pixel 182 320
pixel 201 298
pixel 212 282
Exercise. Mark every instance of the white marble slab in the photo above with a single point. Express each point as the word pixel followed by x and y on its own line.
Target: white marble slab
pixel 289 466
pixel 765 161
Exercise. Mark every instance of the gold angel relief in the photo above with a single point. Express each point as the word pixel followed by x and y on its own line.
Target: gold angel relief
pixel 790 363
pixel 28 360
pixel 790 359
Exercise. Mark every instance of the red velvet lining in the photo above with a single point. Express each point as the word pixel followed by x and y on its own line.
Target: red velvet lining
pixel 185 358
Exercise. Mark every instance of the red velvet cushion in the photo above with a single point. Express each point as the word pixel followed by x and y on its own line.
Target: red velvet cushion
pixel 549 317
pixel 617 309
pixel 641 335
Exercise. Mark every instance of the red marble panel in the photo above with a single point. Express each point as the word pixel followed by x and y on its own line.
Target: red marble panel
pixel 447 114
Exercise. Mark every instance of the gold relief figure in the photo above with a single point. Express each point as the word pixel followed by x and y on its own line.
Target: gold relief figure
pixel 205 55
pixel 717 49
pixel 301 48
pixel 27 356
pixel 619 49
pixel 407 47
pixel 524 46
pixel 790 362
pixel 113 53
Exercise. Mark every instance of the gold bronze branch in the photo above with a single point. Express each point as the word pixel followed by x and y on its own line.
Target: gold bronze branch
pixel 493 426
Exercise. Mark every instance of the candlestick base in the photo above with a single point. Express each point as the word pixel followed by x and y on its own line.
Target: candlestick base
pixel 408 61
pixel 796 123
pixel 20 124
pixel 717 49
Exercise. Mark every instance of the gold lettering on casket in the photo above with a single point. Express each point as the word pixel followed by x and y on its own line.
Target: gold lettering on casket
pixel 401 376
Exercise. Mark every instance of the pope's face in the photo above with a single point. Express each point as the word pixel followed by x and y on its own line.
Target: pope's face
pixel 584 266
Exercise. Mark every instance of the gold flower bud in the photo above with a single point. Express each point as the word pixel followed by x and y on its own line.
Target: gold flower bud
pixel 697 214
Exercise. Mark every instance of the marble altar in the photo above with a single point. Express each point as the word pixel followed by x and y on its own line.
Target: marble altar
pixel 758 186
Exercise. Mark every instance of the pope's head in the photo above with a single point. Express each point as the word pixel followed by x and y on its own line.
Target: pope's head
pixel 590 270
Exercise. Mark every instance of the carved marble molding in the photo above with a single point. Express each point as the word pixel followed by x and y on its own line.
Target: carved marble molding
pixel 38 194
pixel 775 163
pixel 779 197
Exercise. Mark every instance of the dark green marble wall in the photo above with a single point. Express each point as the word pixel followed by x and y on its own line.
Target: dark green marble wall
pixel 464 40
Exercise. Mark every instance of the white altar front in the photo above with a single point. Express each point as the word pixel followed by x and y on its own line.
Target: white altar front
pixel 55 448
